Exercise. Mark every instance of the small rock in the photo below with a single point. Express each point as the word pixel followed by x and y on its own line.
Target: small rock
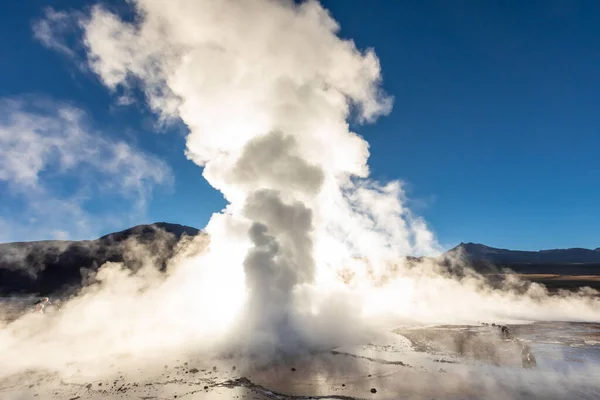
pixel 205 387
pixel 194 371
pixel 373 390
pixel 293 369
pixel 233 368
pixel 100 384
pixel 343 385
pixel 214 368
pixel 88 386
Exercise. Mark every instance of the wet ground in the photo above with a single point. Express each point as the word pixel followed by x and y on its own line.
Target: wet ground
pixel 433 362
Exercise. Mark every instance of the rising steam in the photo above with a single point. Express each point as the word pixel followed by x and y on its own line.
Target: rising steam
pixel 309 252
pixel 266 89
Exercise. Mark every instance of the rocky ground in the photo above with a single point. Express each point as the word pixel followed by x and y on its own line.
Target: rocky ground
pixel 450 362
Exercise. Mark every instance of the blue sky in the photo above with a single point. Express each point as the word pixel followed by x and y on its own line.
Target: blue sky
pixel 495 127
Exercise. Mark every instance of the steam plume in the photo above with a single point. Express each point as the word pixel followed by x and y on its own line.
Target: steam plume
pixel 266 89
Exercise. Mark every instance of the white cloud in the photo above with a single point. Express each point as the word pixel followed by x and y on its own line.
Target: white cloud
pixel 60 235
pixel 53 31
pixel 45 144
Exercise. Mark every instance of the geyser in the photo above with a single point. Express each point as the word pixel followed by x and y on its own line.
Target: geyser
pixel 266 89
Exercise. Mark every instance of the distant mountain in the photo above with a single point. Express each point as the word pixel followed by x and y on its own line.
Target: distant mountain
pixel 575 261
pixel 53 267
pixel 58 266
pixel 149 232
pixel 480 252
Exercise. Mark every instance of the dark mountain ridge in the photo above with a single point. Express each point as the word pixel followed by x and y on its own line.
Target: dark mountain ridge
pixel 572 261
pixel 57 266
pixel 480 252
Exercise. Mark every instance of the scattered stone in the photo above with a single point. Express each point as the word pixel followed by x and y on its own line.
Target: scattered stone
pixel 293 369
pixel 205 387
pixel 441 360
pixel 100 384
pixel 373 390
pixel 88 386
pixel 194 370
pixel 343 385
pixel 214 368
pixel 527 358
